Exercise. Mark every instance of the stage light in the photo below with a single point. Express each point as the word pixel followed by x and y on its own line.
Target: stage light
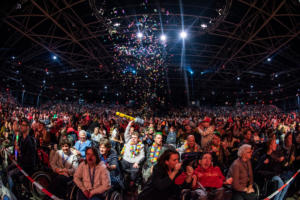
pixel 251 86
pixel 279 85
pixel 191 72
pixel 163 37
pixel 105 87
pixel 269 59
pixel 73 83
pixel 133 71
pixel 238 78
pixel 139 35
pixel 276 75
pixel 54 57
pixel 183 34
pixel 13 57
pixel 44 81
pixel 117 24
pixel 203 26
pixel 86 76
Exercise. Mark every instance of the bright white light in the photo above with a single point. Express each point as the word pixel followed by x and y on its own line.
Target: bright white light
pixel 117 24
pixel 238 78
pixel 54 57
pixel 203 25
pixel 183 34
pixel 163 37
pixel 251 86
pixel 269 59
pixel 13 57
pixel 105 87
pixel 86 76
pixel 73 83
pixel 44 81
pixel 139 35
pixel 133 71
pixel 191 72
pixel 276 75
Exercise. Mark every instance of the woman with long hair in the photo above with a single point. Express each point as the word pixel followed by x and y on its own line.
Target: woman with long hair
pixel 161 185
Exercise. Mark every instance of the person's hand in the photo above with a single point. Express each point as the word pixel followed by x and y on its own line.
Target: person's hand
pixel 177 167
pixel 189 170
pixel 86 194
pixel 136 165
pixel 266 161
pixel 281 158
pixel 228 181
pixel 250 189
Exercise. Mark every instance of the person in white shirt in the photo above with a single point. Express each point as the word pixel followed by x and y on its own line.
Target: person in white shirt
pixel 64 163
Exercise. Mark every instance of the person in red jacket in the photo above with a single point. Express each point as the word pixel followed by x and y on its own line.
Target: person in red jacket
pixel 211 178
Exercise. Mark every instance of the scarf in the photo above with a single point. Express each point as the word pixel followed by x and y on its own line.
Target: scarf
pixel 154 153
pixel 187 148
pixel 134 149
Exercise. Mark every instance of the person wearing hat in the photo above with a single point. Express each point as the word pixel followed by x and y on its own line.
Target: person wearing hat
pixel 153 153
pixel 206 131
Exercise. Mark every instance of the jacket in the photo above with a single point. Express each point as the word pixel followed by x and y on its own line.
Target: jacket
pixel 101 179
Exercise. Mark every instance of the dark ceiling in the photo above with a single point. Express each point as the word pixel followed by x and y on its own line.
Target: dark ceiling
pixel 249 50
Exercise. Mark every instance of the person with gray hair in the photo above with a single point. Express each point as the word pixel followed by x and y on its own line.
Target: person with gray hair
pixel 82 144
pixel 241 173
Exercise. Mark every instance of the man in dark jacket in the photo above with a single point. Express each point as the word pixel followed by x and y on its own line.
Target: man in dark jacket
pixel 26 154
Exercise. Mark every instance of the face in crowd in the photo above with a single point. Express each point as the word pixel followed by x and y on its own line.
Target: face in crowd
pixel 206 161
pixel 103 149
pixel 90 157
pixel 191 141
pixel 65 148
pixel 158 139
pixel 173 160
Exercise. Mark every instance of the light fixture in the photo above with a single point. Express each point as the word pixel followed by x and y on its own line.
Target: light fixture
pixel 203 26
pixel 54 57
pixel 139 35
pixel 163 37
pixel 238 78
pixel 183 34
pixel 269 59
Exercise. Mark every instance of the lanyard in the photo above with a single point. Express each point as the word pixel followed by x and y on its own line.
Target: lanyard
pixel 64 160
pixel 92 176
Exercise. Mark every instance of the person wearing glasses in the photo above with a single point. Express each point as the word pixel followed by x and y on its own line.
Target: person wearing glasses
pixel 241 173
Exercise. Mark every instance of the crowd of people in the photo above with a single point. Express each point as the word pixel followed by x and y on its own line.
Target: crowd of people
pixel 206 151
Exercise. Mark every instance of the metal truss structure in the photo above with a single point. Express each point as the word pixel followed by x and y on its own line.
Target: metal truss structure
pixel 229 61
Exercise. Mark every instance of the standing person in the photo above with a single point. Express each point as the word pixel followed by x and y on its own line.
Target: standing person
pixel 64 164
pixel 206 131
pixel 161 185
pixel 241 173
pixel 92 177
pixel 27 154
pixel 153 153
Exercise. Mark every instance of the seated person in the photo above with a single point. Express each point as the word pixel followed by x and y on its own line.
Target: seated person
pixel 162 182
pixel 190 145
pixel 242 175
pixel 219 153
pixel 64 163
pixel 96 136
pixel 270 166
pixel 92 177
pixel 82 144
pixel 153 153
pixel 211 178
pixel 132 153
pixel 110 157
